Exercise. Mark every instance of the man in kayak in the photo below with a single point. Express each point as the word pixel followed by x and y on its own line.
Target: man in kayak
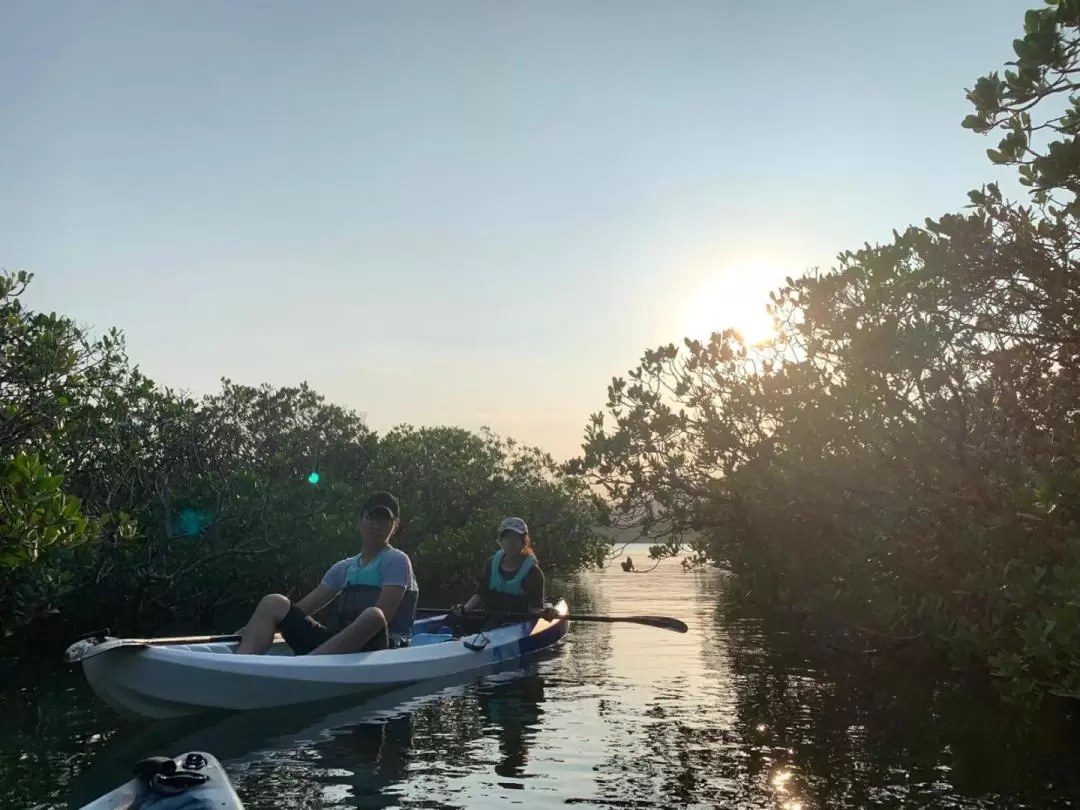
pixel 510 582
pixel 376 596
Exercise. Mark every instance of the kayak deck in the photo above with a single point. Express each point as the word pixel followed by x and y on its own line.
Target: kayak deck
pixel 192 781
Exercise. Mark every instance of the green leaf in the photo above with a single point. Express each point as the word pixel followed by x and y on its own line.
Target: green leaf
pixel 975 122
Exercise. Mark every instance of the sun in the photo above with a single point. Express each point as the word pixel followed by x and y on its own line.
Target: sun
pixel 735 300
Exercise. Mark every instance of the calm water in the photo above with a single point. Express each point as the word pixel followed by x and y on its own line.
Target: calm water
pixel 733 714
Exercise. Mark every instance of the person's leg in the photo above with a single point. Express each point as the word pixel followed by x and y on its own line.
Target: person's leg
pixel 258 635
pixel 379 641
pixel 366 630
pixel 301 632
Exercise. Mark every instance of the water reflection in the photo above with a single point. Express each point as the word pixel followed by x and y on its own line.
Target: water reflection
pixel 894 730
pixel 356 755
pixel 356 767
pixel 738 713
pixel 513 714
pixel 49 735
pixel 775 722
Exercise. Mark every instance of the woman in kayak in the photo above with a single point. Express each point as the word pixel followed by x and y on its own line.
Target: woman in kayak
pixel 511 581
pixel 376 595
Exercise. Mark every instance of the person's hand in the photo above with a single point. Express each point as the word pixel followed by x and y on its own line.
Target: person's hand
pixel 457 610
pixel 549 613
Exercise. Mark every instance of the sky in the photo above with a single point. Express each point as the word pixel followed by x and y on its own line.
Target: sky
pixel 467 213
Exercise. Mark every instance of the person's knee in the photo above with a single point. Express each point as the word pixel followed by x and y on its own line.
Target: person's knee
pixel 274 605
pixel 371 614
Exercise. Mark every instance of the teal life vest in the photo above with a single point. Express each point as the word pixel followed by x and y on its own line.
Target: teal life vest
pixel 369 575
pixel 514 586
pixel 363 584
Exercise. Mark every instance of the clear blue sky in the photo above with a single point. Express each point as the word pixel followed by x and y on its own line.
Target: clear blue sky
pixel 466 212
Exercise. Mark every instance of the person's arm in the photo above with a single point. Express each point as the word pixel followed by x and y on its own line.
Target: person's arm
pixel 534 590
pixel 534 595
pixel 364 627
pixel 397 577
pixel 317 599
pixel 325 592
pixel 390 600
pixel 483 583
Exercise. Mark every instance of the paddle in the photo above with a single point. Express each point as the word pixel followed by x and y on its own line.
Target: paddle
pixel 89 647
pixel 660 622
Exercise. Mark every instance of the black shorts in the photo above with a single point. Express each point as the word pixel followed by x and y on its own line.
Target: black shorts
pixel 303 634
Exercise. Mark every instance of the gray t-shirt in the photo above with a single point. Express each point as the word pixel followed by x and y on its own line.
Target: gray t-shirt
pixel 396 570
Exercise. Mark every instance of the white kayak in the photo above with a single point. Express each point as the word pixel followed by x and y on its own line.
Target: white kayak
pixel 191 781
pixel 141 680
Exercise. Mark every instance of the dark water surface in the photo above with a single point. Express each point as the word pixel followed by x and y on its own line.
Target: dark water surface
pixel 731 715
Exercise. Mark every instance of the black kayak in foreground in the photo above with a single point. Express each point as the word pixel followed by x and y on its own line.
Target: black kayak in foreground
pixel 191 781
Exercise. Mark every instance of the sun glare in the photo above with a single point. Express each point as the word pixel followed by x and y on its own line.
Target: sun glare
pixel 736 300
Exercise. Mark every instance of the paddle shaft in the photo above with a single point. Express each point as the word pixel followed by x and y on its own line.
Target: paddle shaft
pixel 187 639
pixel 166 640
pixel 661 622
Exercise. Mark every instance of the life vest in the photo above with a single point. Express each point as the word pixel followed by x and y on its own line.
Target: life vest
pixel 363 584
pixel 514 586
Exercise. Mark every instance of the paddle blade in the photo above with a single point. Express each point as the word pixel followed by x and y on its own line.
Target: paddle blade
pixel 89 647
pixel 661 622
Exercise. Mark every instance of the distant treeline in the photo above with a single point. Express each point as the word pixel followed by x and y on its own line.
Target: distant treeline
pixel 125 504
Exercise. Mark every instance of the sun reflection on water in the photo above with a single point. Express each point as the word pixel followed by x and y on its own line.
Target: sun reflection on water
pixel 780 784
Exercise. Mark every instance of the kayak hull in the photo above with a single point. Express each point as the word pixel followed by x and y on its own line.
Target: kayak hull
pixel 160 682
pixel 215 794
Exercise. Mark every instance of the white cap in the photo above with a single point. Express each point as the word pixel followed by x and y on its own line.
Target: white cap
pixel 515 525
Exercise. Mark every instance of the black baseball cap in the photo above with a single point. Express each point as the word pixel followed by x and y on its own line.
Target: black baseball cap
pixel 383 501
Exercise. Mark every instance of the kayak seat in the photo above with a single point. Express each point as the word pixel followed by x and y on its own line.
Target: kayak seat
pixel 421 639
